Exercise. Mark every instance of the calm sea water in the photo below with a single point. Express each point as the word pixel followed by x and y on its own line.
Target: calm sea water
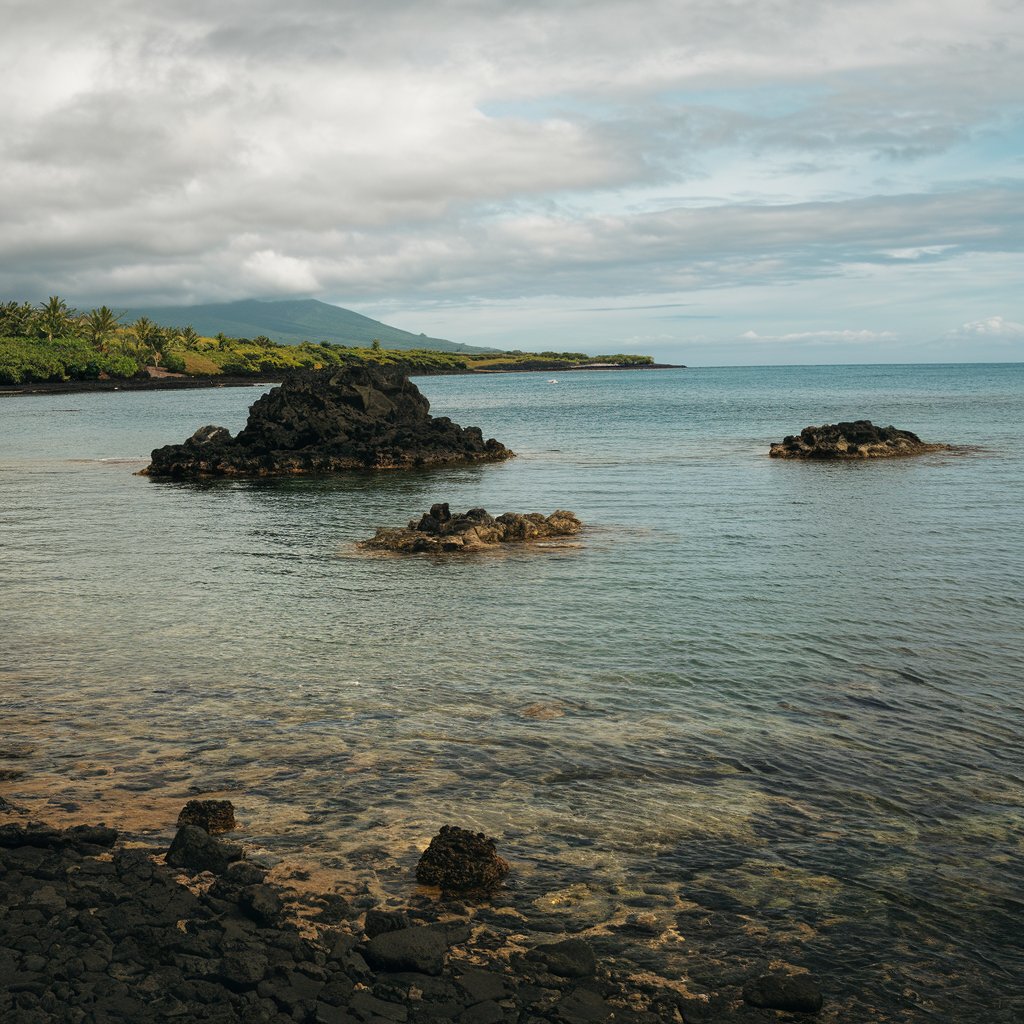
pixel 775 709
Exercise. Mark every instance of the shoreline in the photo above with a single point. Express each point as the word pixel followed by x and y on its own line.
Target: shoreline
pixel 182 383
pixel 97 922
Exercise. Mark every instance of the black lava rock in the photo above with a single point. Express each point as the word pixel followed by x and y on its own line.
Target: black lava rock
pixel 458 860
pixel 213 816
pixel 410 949
pixel 356 416
pixel 195 849
pixel 795 993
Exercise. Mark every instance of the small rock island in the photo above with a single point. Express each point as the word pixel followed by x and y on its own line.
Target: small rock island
pixel 860 439
pixel 476 530
pixel 359 416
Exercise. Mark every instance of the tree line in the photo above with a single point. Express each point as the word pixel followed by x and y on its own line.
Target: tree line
pixel 53 342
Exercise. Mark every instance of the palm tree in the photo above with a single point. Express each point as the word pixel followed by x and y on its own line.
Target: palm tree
pixel 189 338
pixel 145 333
pixel 100 325
pixel 54 319
pixel 16 321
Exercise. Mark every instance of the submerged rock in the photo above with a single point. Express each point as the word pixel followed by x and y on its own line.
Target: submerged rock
pixel 458 860
pixel 358 416
pixel 212 816
pixel 570 958
pixel 475 530
pixel 860 439
pixel 794 993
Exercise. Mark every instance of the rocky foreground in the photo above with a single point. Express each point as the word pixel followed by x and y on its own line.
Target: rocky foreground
pixel 96 932
pixel 860 439
pixel 360 416
pixel 476 530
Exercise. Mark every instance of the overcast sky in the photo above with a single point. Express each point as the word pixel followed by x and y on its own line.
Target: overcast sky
pixel 710 181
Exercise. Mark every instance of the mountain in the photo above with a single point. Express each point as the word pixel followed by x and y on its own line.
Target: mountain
pixel 291 321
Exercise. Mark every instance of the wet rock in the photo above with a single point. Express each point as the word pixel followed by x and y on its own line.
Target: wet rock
pixel 420 949
pixel 860 439
pixel 262 904
pixel 482 985
pixel 581 1006
pixel 368 1006
pixel 476 530
pixel 244 872
pixel 570 958
pixel 196 850
pixel 458 860
pixel 794 993
pixel 487 1012
pixel 352 417
pixel 32 834
pixel 380 921
pixel 213 816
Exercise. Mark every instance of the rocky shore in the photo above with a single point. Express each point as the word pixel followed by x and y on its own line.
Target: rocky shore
pixel 99 930
pixel 860 439
pixel 476 530
pixel 355 417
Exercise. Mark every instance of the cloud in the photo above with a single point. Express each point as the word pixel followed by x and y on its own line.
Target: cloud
pixel 452 153
pixel 992 328
pixel 825 337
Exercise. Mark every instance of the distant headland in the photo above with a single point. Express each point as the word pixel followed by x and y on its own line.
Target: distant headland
pixel 51 347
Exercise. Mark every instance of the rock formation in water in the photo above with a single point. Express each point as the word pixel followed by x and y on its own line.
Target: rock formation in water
pixel 359 416
pixel 860 439
pixel 458 860
pixel 211 815
pixel 476 530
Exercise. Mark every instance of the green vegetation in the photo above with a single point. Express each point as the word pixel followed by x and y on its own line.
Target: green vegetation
pixel 52 342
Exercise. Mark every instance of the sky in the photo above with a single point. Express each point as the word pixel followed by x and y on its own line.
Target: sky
pixel 711 182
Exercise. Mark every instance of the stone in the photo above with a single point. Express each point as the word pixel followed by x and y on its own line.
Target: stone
pixel 262 904
pixel 366 1005
pixel 33 834
pixel 482 985
pixel 196 850
pixel 458 860
pixel 570 958
pixel 421 948
pixel 380 921
pixel 794 993
pixel 486 1012
pixel 860 439
pixel 243 969
pixel 581 1006
pixel 213 816
pixel 356 416
pixel 244 872
pixel 439 531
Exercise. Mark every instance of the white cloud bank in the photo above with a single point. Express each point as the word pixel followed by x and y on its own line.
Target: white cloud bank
pixel 437 155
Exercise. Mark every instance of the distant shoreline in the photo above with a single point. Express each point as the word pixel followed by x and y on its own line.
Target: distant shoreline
pixel 173 382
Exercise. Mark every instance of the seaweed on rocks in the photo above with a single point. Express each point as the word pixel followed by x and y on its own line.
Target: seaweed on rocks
pixel 439 530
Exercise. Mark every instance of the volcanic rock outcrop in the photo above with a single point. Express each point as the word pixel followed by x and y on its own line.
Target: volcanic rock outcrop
pixel 860 439
pixel 476 530
pixel 458 860
pixel 359 416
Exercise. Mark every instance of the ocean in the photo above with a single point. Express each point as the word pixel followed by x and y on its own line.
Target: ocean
pixel 763 712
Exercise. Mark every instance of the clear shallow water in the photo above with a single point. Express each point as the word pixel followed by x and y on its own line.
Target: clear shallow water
pixel 781 706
